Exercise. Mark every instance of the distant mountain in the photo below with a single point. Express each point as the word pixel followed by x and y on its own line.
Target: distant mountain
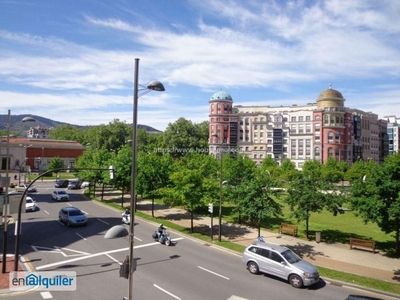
pixel 19 128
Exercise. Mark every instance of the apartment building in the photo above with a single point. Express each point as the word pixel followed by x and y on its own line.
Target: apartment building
pixel 393 131
pixel 318 130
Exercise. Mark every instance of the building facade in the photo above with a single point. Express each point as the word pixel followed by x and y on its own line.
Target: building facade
pixel 319 130
pixel 393 131
pixel 31 154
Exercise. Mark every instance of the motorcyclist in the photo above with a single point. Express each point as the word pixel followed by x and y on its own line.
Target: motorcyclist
pixel 160 230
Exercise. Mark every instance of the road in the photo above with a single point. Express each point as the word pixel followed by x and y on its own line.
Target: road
pixel 189 270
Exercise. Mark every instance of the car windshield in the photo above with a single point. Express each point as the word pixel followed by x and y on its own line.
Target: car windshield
pixel 290 256
pixel 75 213
pixel 61 192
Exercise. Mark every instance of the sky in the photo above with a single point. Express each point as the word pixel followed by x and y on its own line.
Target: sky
pixel 73 61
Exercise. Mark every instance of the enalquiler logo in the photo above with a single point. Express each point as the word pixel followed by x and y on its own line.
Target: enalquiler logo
pixel 49 281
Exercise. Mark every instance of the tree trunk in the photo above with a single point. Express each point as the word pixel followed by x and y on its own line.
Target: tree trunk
pixel 191 222
pixel 397 241
pixel 307 228
pixel 152 206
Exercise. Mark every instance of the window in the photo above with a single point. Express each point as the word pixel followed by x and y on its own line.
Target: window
pixel 276 257
pixel 293 119
pixel 308 118
pixel 301 119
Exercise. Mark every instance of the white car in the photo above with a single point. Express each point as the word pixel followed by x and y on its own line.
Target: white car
pixel 30 204
pixel 85 184
pixel 22 187
pixel 60 195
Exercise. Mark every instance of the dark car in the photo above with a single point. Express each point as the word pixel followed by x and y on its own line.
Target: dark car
pixel 74 185
pixel 61 183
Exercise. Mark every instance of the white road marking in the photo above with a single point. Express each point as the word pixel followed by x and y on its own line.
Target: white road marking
pixel 112 258
pixel 80 236
pixel 69 204
pixel 227 278
pixel 103 221
pixel 165 291
pixel 85 212
pixel 58 250
pixel 233 297
pixel 137 238
pixel 46 295
pixel 46 212
pixel 92 255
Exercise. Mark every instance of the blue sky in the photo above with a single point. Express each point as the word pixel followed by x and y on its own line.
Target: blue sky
pixel 73 61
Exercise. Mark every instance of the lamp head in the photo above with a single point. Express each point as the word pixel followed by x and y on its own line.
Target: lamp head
pixel 28 119
pixel 155 85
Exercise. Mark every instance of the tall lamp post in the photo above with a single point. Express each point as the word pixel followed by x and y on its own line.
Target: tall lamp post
pixel 5 212
pixel 220 191
pixel 152 86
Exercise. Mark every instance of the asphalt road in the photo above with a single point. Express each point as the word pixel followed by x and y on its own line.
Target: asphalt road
pixel 189 270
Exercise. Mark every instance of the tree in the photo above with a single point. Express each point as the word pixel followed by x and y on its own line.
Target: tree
pixel 193 183
pixel 304 193
pixel 55 163
pixel 67 132
pixel 110 137
pixel 376 196
pixel 183 137
pixel 258 199
pixel 153 173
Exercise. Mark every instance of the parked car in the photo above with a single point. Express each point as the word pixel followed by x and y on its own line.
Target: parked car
pixel 22 187
pixel 72 216
pixel 85 184
pixel 30 204
pixel 281 262
pixel 60 195
pixel 74 185
pixel 61 183
pixel 1 188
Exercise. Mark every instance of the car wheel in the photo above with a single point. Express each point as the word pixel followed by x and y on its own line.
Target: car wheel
pixel 168 242
pixel 253 267
pixel 296 281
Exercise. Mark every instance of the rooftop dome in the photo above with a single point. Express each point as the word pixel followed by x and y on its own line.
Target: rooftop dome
pixel 330 98
pixel 221 95
pixel 330 93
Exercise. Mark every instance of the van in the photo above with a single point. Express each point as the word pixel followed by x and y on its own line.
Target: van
pixel 281 262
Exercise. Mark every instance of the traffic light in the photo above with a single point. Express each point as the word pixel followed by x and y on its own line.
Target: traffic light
pixel 210 207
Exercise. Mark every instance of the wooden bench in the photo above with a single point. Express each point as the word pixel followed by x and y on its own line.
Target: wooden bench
pixel 288 228
pixel 362 243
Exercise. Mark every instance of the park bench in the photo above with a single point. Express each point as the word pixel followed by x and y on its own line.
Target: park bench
pixel 288 228
pixel 362 243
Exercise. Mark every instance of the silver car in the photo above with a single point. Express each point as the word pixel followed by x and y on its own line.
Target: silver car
pixel 72 216
pixel 281 262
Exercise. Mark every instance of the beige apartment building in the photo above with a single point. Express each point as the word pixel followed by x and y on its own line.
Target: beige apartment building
pixel 318 130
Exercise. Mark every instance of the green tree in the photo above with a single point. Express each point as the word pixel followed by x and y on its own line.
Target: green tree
pixel 55 163
pixel 67 132
pixel 153 173
pixel 110 137
pixel 193 183
pixel 184 137
pixel 376 196
pixel 304 194
pixel 258 199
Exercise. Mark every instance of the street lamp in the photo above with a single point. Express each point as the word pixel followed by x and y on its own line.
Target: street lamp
pixel 220 192
pixel 152 86
pixel 5 207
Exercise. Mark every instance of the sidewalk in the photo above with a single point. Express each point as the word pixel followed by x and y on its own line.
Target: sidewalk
pixel 332 256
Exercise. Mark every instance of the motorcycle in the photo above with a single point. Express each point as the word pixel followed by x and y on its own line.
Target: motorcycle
pixel 126 217
pixel 162 236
